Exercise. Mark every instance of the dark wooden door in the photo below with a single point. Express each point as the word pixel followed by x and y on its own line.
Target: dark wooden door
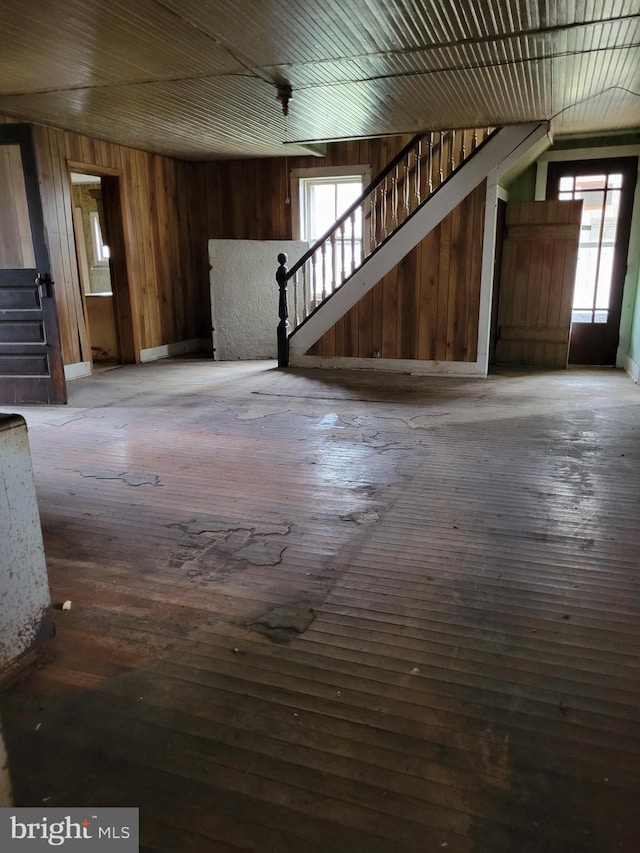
pixel 536 282
pixel 607 189
pixel 31 369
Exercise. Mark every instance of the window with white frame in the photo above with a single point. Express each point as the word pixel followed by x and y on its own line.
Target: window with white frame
pixel 319 197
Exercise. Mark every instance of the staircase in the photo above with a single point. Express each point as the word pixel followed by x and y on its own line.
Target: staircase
pixel 431 175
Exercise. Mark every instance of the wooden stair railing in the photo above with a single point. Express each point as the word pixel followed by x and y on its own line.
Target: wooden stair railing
pixel 403 186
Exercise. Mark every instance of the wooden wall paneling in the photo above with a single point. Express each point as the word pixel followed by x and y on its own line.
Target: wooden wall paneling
pixel 429 278
pixel 153 260
pixel 495 284
pixel 132 248
pixel 407 316
pixel 176 287
pixel 475 270
pixel 532 350
pixel 505 299
pixel 455 283
pixel 335 342
pixel 427 307
pixel 547 315
pixel 365 325
pixel 444 263
pixel 214 182
pixel 520 271
pixel 146 283
pixel 172 294
pixel 519 300
pixel 376 319
pixel 465 281
pixel 267 214
pixel 271 215
pixel 193 264
pixel 164 239
pixel 390 314
pixel 125 304
pixel 351 337
pixel 166 249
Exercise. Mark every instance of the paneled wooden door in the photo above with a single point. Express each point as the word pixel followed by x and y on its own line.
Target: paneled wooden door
pixel 31 368
pixel 607 189
pixel 537 280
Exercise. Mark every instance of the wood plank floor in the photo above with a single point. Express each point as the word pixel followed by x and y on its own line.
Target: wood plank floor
pixel 332 611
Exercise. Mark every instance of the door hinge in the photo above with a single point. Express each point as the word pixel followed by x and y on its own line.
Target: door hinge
pixel 45 285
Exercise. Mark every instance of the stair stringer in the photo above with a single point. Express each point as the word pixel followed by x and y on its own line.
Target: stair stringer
pixel 507 143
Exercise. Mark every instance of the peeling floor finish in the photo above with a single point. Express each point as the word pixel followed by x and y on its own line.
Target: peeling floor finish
pixel 340 611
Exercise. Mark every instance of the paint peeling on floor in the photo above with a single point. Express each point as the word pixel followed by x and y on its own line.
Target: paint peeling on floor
pixel 136 478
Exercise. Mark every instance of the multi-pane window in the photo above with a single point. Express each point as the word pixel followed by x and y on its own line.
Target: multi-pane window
pixel 323 200
pixel 598 230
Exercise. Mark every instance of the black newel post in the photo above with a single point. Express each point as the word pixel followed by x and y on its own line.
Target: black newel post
pixel 283 312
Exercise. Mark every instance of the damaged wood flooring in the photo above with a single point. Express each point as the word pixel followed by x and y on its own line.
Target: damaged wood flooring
pixel 335 611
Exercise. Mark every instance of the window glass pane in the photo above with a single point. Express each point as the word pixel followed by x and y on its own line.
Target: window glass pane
pixel 566 184
pixel 608 248
pixel 587 270
pixel 590 182
pixel 565 196
pixel 581 316
pixel 615 181
pixel 323 209
pixel 600 316
pixel 347 194
pixel 325 200
pixel 16 245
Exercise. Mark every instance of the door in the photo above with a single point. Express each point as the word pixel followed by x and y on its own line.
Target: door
pixel 539 261
pixel 607 188
pixel 31 369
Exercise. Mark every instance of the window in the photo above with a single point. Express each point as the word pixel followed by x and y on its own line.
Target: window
pixel 319 197
pixel 323 201
pixel 101 252
pixel 600 212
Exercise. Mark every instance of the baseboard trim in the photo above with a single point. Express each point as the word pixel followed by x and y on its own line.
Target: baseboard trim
pixel 632 367
pixel 177 348
pixel 77 370
pixel 392 365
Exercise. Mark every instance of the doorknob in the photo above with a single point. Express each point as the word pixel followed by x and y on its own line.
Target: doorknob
pixel 45 285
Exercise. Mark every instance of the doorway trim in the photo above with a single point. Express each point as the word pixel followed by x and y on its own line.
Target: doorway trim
pixel 111 180
pixel 632 277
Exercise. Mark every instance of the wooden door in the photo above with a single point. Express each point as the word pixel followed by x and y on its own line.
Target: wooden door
pixel 607 189
pixel 536 282
pixel 31 369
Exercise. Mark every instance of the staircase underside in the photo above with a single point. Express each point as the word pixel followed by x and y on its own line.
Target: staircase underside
pixel 503 151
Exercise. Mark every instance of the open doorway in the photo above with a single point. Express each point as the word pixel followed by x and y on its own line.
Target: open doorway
pixel 93 254
pixel 102 266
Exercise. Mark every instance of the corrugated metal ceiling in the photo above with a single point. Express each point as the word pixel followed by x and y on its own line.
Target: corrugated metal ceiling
pixel 197 78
